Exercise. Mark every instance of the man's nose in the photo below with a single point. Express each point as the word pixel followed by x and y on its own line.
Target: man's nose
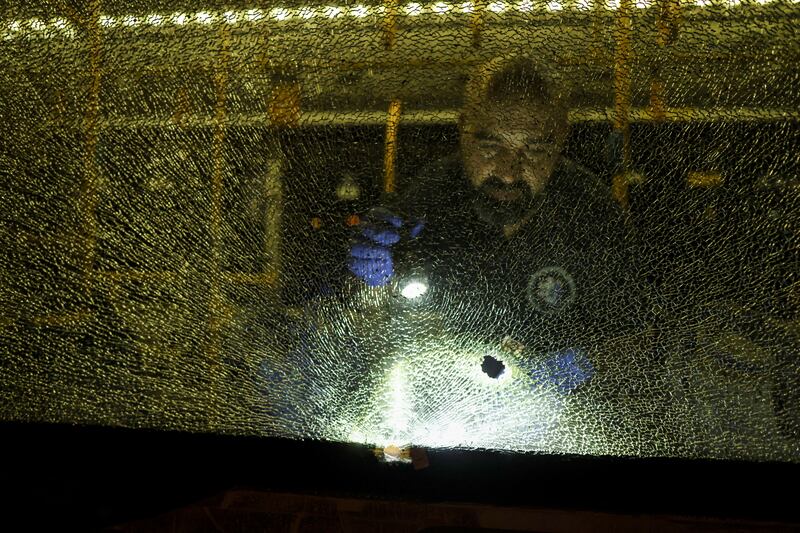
pixel 509 168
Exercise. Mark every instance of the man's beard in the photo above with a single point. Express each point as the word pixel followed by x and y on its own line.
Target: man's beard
pixel 502 212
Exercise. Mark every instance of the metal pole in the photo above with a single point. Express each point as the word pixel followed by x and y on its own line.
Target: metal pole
pixel 390 24
pixel 623 60
pixel 389 162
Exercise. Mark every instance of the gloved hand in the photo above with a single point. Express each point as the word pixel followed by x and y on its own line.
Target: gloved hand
pixel 370 251
pixel 566 370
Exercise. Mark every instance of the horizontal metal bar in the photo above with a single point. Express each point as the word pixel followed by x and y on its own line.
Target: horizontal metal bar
pixel 450 116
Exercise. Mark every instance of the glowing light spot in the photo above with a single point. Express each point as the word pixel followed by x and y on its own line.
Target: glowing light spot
pixel 497 7
pixel 441 8
pixel 467 7
pixel 155 20
pixel 702 3
pixel 254 14
pixel 413 9
pixel 333 12
pixel 204 17
pixel 360 11
pixel 230 17
pixel 525 7
pixel 179 19
pixel 554 6
pixel 107 21
pixel 642 4
pixel 583 5
pixel 612 4
pixel 306 13
pixel 60 24
pixel 130 20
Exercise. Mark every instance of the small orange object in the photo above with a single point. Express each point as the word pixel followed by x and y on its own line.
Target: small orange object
pixel 352 220
pixel 316 222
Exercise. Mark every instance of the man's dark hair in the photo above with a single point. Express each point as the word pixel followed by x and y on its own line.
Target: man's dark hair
pixel 511 80
pixel 519 80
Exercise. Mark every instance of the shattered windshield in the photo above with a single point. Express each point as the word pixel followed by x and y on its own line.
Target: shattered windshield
pixel 557 227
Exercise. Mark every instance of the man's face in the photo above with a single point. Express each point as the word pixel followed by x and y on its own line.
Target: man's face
pixel 510 152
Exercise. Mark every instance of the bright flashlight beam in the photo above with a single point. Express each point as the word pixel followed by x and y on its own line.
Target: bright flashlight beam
pixel 414 289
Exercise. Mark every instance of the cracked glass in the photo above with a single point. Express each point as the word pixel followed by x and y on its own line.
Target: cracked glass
pixel 556 227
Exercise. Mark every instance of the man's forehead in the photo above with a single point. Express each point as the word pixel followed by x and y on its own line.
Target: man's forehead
pixel 515 122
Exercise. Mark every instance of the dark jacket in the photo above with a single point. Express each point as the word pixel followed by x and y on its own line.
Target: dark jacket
pixel 564 280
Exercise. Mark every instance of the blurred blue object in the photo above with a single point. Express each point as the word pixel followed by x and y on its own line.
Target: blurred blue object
pixel 371 256
pixel 566 370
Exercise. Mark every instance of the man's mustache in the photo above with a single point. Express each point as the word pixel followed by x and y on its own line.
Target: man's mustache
pixel 494 183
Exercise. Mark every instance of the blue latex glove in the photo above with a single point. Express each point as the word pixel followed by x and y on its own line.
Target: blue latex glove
pixel 565 370
pixel 371 248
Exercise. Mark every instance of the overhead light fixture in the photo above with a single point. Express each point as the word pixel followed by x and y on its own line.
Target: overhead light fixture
pixel 204 17
pixel 413 9
pixel 36 25
pixel 306 13
pixel 280 14
pixel 333 11
pixel 525 7
pixel 254 14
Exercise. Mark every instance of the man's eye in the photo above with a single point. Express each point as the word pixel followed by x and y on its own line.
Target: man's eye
pixel 540 149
